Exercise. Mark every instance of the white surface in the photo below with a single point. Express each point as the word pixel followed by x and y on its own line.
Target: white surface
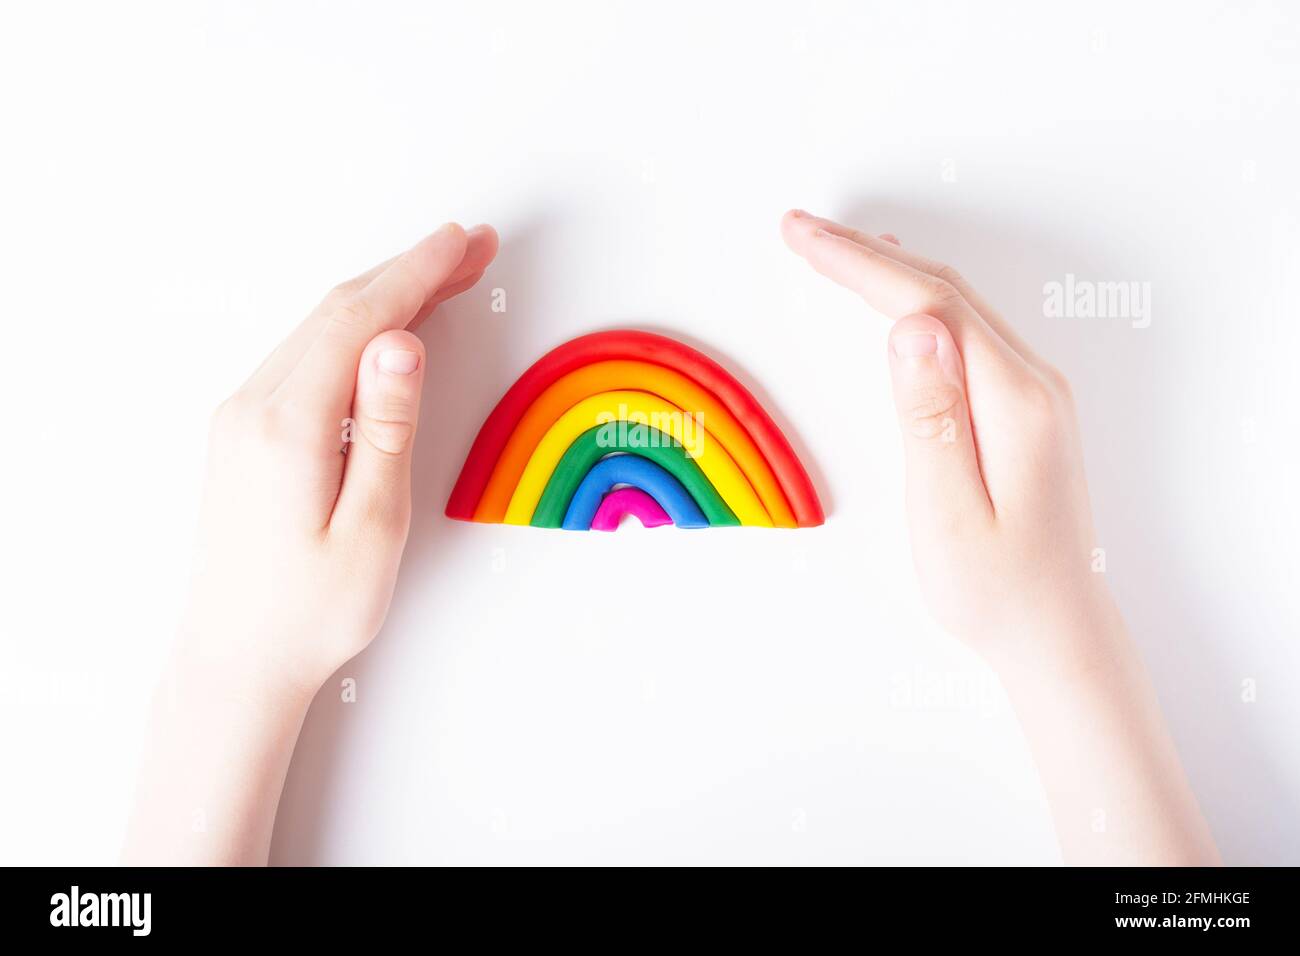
pixel 180 183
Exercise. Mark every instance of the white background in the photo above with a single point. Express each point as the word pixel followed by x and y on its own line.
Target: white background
pixel 182 181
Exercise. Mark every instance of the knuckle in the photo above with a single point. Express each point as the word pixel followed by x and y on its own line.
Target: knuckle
pixel 222 414
pixel 336 296
pixel 387 517
pixel 1059 384
pixel 229 414
pixel 351 312
pixel 272 426
pixel 288 426
pixel 938 293
pixel 403 264
pixel 388 436
pixel 932 412
pixel 1039 406
pixel 948 274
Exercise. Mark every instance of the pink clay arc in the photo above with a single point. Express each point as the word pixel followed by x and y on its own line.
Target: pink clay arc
pixel 628 501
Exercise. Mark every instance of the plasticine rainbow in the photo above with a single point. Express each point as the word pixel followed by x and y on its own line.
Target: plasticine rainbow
pixel 628 422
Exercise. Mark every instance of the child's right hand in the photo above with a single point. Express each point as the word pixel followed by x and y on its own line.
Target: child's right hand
pixel 1003 541
pixel 1002 532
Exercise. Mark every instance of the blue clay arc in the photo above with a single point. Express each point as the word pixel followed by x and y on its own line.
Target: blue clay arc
pixel 638 472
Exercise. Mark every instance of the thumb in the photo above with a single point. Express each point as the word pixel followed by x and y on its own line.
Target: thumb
pixel 376 492
pixel 944 484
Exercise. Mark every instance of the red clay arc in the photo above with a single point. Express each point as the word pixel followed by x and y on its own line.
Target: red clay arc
pixel 800 505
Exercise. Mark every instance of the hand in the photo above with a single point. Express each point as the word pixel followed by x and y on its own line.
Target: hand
pixel 308 494
pixel 299 548
pixel 1002 539
pixel 1002 533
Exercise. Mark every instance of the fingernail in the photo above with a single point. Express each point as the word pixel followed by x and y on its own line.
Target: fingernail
pixel 399 361
pixel 798 214
pixel 918 343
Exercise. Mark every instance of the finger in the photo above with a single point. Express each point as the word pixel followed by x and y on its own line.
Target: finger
pixel 891 287
pixel 358 282
pixel 376 493
pixel 449 291
pixel 478 256
pixel 894 288
pixel 944 484
pixel 481 245
pixel 889 245
pixel 481 248
pixel 322 382
pixel 282 359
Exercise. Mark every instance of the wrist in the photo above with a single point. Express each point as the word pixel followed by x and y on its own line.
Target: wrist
pixel 1065 642
pixel 212 668
pixel 220 742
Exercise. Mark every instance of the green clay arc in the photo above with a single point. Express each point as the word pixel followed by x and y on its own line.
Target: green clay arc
pixel 644 440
